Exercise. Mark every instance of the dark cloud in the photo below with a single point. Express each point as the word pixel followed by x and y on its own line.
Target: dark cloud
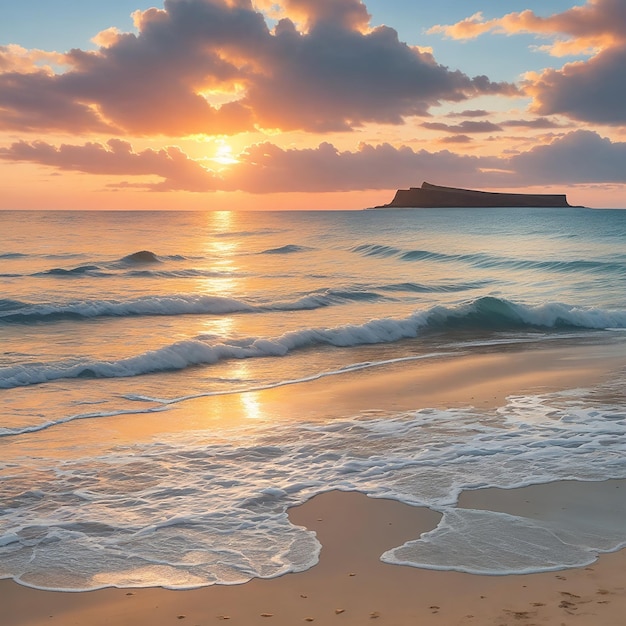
pixel 35 101
pixel 267 168
pixel 263 168
pixel 593 91
pixel 342 79
pixel 456 139
pixel 538 123
pixel 331 75
pixel 579 157
pixel 466 126
pixel 470 113
pixel 117 157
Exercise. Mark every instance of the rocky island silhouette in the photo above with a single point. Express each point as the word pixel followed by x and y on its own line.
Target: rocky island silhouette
pixel 436 196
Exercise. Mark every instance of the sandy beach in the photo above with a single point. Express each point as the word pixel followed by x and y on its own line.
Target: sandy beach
pixel 350 585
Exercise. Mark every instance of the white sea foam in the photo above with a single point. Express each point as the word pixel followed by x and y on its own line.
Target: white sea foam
pixel 488 542
pixel 191 509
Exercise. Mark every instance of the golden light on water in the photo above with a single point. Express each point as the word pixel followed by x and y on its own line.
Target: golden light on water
pixel 251 405
pixel 250 400
pixel 221 253
pixel 220 326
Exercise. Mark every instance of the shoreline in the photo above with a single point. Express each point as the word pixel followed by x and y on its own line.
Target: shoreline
pixel 350 585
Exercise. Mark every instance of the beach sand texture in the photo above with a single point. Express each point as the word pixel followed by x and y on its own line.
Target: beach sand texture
pixel 351 585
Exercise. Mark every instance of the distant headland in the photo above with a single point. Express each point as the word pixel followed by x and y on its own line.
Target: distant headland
pixel 435 196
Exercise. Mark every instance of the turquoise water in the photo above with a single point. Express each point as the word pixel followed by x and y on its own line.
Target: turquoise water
pixel 117 317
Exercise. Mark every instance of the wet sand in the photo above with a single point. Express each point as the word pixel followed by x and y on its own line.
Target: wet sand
pixel 350 585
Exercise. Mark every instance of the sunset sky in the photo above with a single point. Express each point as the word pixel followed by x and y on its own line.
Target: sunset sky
pixel 308 104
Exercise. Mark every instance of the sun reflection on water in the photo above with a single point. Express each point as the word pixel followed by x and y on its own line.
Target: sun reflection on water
pixel 251 405
pixel 225 273
pixel 221 252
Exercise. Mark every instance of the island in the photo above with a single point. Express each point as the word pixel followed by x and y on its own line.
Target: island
pixel 435 196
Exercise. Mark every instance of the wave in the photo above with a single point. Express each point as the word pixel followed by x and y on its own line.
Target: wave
pixel 487 314
pixel 288 249
pixel 237 234
pixel 487 261
pixel 131 265
pixel 17 312
pixel 182 273
pixel 140 258
pixel 212 506
pixel 95 271
pixel 12 255
pixel 146 257
pixel 434 288
pixel 75 271
pixel 163 404
pixel 6 304
pixel 34 428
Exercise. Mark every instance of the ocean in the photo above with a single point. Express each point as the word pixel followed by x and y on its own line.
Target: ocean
pixel 116 326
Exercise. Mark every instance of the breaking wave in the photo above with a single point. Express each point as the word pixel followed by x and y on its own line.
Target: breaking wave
pixel 17 312
pixel 485 314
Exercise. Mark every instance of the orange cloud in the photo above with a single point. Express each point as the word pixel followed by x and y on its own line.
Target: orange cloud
pixel 347 14
pixel 261 168
pixel 14 58
pixel 117 158
pixel 575 158
pixel 590 91
pixel 595 26
pixel 468 28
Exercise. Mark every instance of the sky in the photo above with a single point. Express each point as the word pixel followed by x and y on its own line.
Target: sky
pixel 308 104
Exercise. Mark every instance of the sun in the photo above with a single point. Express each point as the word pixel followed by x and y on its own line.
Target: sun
pixel 224 153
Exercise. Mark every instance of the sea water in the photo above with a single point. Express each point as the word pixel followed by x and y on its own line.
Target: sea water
pixel 111 322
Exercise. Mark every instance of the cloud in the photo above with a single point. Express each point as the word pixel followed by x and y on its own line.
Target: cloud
pixel 33 101
pixel 262 168
pixel 267 167
pixel 215 67
pixel 456 139
pixel 470 113
pixel 467 126
pixel 349 14
pixel 578 157
pixel 538 123
pixel 591 91
pixel 117 157
pixel 343 79
pixel 14 58
pixel 594 26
